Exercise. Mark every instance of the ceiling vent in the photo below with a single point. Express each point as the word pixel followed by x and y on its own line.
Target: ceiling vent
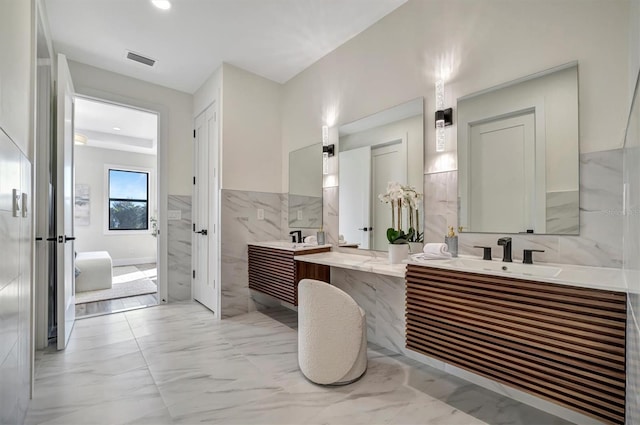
pixel 140 59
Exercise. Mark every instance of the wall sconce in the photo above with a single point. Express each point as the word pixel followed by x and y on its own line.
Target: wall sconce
pixel 327 149
pixel 80 139
pixel 444 117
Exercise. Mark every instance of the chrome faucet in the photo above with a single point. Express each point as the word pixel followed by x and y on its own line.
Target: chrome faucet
pixel 296 236
pixel 506 253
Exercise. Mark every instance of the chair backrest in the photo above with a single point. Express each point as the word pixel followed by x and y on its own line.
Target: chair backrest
pixel 330 326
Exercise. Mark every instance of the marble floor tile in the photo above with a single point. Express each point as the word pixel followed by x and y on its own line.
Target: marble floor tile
pixel 175 363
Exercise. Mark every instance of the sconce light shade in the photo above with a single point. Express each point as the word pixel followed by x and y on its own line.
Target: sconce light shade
pixel 80 139
pixel 327 149
pixel 445 115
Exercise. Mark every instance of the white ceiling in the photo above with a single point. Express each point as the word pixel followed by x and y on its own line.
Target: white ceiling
pixel 96 120
pixel 273 38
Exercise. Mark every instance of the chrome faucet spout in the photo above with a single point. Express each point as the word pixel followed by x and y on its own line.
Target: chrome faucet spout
pixel 506 253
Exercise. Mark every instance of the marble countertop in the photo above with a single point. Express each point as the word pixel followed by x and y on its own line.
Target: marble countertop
pixel 603 278
pixel 608 279
pixel 289 246
pixel 361 263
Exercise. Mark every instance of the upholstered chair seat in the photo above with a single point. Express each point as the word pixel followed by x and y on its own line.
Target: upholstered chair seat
pixel 332 334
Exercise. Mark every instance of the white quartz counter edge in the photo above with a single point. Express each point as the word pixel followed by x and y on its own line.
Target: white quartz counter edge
pixel 361 263
pixel 604 278
pixel 293 247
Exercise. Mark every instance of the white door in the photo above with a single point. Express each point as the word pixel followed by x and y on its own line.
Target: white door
pixel 388 164
pixel 509 187
pixel 355 191
pixel 66 313
pixel 205 266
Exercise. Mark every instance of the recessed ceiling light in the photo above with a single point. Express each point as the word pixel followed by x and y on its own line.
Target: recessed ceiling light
pixel 162 4
pixel 116 128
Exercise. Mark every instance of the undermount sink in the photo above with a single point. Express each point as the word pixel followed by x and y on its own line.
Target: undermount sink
pixel 504 267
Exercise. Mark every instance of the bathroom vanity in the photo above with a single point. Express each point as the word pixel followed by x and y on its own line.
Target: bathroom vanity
pixel 554 332
pixel 560 340
pixel 273 270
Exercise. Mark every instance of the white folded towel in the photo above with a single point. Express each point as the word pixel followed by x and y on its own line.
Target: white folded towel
pixel 436 249
pixel 311 240
pixel 423 256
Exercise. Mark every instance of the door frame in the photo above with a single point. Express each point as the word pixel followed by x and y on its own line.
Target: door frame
pixel 40 326
pixel 402 141
pixel 365 239
pixel 526 119
pixel 43 252
pixel 161 178
pixel 536 105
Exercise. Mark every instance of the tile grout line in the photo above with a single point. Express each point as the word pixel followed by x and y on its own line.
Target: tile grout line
pixel 155 383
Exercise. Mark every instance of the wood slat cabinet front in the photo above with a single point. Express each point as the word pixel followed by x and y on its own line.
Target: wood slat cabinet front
pixel 274 272
pixel 562 343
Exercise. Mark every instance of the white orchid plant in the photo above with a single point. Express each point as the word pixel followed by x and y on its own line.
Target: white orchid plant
pixel 400 197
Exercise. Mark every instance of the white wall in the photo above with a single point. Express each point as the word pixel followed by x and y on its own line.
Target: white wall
pixel 16 69
pixel 175 108
pixel 208 92
pixel 124 248
pixel 251 146
pixel 634 44
pixel 478 45
pixel 250 127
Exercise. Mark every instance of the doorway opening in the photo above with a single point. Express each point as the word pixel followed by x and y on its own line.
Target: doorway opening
pixel 115 207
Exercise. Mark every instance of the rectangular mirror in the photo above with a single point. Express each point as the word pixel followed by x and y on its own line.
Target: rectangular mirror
pixel 373 151
pixel 518 163
pixel 305 187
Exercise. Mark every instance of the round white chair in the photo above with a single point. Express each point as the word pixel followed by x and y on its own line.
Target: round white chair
pixel 332 334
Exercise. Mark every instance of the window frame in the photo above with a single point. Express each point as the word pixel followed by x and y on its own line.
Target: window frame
pixel 107 198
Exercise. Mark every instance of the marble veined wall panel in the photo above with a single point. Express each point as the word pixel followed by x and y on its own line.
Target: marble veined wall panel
pixel 179 249
pixel 240 226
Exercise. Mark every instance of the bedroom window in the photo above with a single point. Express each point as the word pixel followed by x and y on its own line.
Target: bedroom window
pixel 128 200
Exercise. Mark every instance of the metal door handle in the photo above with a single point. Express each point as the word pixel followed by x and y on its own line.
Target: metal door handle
pixel 65 238
pixel 202 232
pixel 366 229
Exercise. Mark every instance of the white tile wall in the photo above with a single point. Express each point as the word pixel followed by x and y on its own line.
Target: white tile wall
pixel 179 249
pixel 240 226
